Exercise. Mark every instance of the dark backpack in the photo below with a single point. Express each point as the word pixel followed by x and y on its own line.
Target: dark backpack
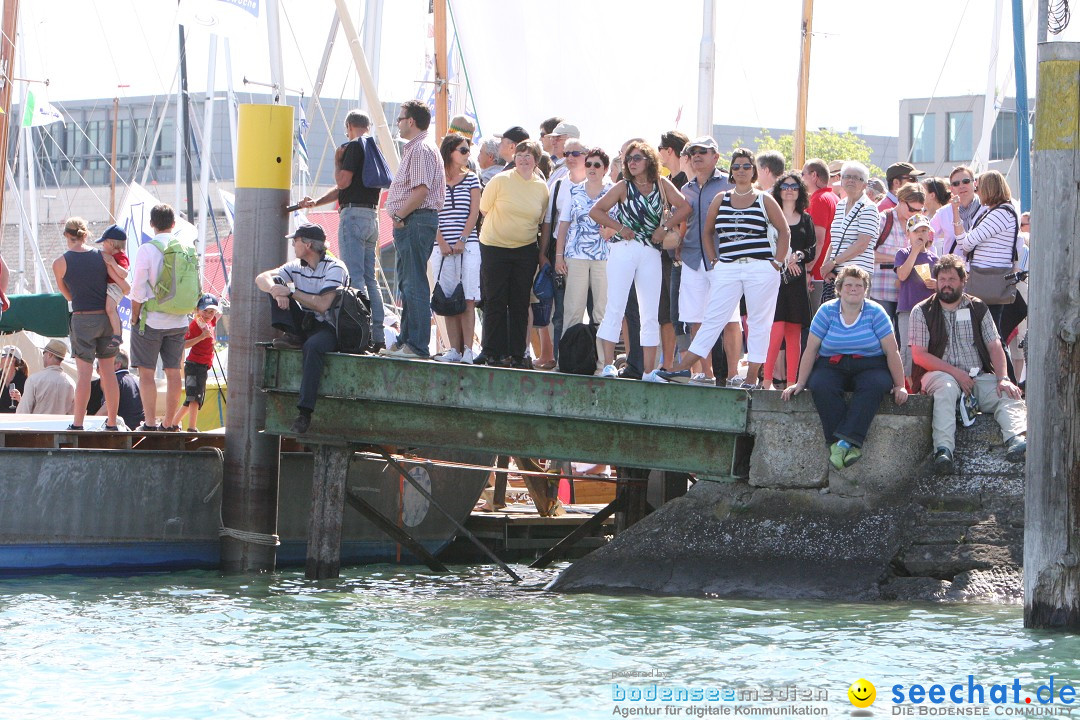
pixel 376 173
pixel 351 317
pixel 577 350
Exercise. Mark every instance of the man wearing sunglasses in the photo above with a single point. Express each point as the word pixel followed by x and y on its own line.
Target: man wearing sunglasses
pixel 898 175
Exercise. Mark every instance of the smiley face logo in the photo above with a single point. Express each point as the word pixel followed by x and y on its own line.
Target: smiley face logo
pixel 862 693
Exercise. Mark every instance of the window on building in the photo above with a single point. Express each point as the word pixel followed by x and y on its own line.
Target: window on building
pixel 922 137
pixel 125 144
pixel 961 147
pixel 1003 138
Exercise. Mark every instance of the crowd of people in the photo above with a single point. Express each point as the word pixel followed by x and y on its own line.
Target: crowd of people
pixel 704 267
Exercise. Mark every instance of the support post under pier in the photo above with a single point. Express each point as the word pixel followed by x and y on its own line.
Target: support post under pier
pixel 327 510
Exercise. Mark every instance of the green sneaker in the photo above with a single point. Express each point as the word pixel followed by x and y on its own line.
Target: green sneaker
pixel 836 456
pixel 852 456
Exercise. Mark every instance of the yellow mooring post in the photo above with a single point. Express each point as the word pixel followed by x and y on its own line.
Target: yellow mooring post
pixel 250 490
pixel 1052 488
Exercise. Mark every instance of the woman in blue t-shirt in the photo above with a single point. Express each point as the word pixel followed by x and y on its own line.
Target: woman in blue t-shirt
pixel 851 348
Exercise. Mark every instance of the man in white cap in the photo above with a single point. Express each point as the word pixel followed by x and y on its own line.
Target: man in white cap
pixel 51 391
pixel 562 132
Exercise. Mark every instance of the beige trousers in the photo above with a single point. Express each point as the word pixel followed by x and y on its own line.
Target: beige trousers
pixel 1011 414
pixel 581 277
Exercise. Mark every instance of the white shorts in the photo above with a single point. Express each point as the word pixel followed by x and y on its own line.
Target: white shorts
pixel 113 290
pixel 464 268
pixel 694 295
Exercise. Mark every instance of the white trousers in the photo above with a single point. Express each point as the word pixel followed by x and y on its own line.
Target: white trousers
pixel 759 281
pixel 630 262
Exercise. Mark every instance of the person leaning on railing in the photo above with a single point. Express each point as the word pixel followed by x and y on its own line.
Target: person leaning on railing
pixel 851 348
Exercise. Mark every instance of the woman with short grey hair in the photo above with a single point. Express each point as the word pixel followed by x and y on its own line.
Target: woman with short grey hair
pixel 854 227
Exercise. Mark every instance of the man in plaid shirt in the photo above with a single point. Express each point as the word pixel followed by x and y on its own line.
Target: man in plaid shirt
pixel 956 350
pixel 413 203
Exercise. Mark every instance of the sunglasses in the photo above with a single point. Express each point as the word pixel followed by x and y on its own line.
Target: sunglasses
pixel 596 165
pixel 742 166
pixel 789 186
pixel 907 178
pixel 958 183
pixel 635 158
pixel 918 210
pixel 575 153
pixel 698 151
pixel 464 149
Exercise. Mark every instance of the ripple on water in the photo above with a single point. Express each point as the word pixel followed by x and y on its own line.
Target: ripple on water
pixel 387 642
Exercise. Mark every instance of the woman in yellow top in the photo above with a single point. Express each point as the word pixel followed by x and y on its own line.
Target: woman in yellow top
pixel 513 205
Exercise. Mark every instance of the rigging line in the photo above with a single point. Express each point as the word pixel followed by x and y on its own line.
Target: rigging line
pixel 92 144
pixel 464 68
pixel 944 64
pixel 108 46
pixel 319 105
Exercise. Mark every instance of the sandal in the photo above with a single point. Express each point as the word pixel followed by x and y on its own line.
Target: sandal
pixel 75 427
pixel 170 428
pixel 544 366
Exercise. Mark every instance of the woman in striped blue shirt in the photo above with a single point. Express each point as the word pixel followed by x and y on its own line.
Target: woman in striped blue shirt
pixel 851 348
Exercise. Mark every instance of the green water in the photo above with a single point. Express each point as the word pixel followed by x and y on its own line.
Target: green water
pixel 399 643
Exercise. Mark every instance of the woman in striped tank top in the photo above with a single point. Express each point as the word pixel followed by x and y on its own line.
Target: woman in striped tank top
pixel 634 255
pixel 743 262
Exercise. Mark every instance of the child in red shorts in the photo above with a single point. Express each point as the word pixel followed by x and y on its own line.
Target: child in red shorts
pixel 200 338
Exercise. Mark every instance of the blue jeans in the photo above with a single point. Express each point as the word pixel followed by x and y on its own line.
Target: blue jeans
pixel 319 339
pixel 867 378
pixel 413 243
pixel 358 239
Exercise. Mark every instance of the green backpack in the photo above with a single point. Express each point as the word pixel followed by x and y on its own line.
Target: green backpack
pixel 178 287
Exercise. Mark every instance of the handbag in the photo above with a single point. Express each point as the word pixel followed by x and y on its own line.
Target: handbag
pixel 452 304
pixel 544 284
pixel 672 238
pixel 990 284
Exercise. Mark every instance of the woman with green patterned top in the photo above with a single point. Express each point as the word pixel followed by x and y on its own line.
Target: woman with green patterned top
pixel 634 256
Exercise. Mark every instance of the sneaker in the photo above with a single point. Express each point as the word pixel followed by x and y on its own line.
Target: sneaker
pixel 300 424
pixel 501 362
pixel 75 427
pixel 148 428
pixel 480 359
pixel 609 371
pixel 450 356
pixel 836 456
pixel 1016 449
pixel 943 462
pixel 468 356
pixel 735 382
pixel 677 376
pixel 852 456
pixel 376 348
pixel 700 379
pixel 653 377
pixel 389 351
pixel 403 352
pixel 521 363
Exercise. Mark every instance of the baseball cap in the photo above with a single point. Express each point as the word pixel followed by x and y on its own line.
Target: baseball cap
pixel 209 301
pixel 113 232
pixel 917 221
pixel 565 128
pixel 57 347
pixel 515 134
pixel 901 169
pixel 705 141
pixel 308 231
pixel 11 351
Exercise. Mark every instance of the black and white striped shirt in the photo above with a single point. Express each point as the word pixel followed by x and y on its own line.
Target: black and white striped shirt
pixel 991 242
pixel 848 226
pixel 742 233
pixel 456 209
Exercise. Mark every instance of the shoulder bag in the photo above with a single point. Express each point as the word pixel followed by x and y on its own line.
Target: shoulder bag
pixel 990 284
pixel 672 238
pixel 454 303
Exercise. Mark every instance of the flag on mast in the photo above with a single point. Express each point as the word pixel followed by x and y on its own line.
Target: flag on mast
pixel 38 111
pixel 301 144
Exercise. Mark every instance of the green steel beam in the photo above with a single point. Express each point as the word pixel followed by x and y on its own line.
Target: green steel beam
pixel 534 414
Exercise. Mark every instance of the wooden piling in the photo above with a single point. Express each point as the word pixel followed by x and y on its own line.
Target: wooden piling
pixel 632 486
pixel 331 469
pixel 1052 491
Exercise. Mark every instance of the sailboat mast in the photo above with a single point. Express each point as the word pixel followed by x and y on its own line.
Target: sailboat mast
pixel 7 62
pixel 804 84
pixel 185 123
pixel 442 86
pixel 707 69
